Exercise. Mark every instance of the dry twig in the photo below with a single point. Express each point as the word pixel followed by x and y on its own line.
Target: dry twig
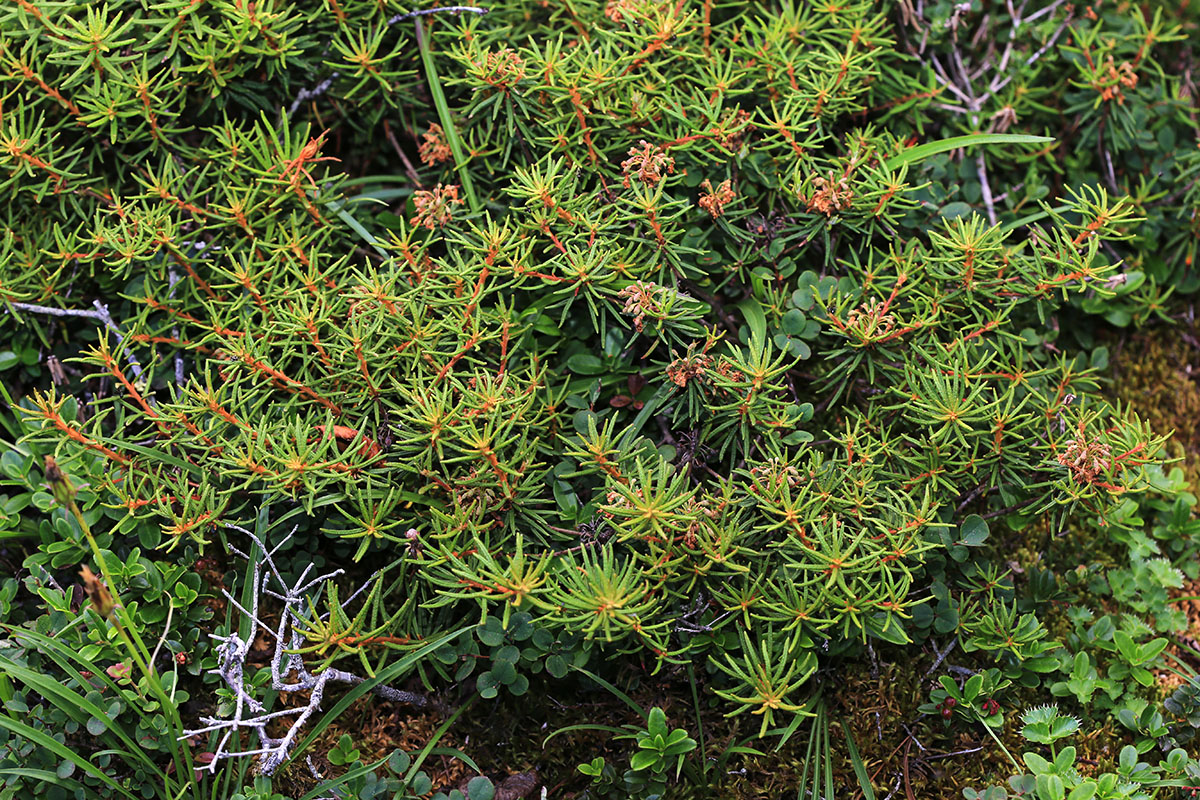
pixel 288 672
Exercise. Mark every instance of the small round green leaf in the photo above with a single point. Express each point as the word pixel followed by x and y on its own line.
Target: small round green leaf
pixel 974 531
pixel 480 788
pixel 556 665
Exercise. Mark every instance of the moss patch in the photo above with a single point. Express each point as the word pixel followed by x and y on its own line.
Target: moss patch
pixel 1156 373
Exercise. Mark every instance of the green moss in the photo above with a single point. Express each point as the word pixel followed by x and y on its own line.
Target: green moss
pixel 1155 372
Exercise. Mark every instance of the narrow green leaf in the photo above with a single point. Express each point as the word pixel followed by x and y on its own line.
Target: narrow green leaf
pixel 433 740
pixel 756 318
pixel 41 739
pixel 922 151
pixel 583 727
pixel 338 208
pixel 326 788
pixel 445 117
pixel 860 769
pixel 615 691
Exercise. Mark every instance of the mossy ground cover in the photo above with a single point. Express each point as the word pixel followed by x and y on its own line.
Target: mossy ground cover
pixel 621 399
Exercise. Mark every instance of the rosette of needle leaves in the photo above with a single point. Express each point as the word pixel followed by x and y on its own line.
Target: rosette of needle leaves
pixel 333 633
pixel 140 77
pixel 966 284
pixel 771 669
pixel 606 597
pixel 1102 455
pixel 953 396
pixel 515 581
pixel 1114 74
pixel 241 269
pixel 843 546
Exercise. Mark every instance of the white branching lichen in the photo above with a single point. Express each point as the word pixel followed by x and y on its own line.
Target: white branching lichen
pixel 288 671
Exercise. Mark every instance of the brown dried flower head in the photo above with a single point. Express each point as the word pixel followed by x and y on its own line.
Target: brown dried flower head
pixel 726 370
pixel 618 10
pixel 732 130
pixel 615 499
pixel 1087 458
pixel 714 200
pixel 691 537
pixel 830 195
pixel 503 68
pixel 639 300
pixel 649 162
pixel 433 148
pixel 434 206
pixel 688 368
pixel 1116 76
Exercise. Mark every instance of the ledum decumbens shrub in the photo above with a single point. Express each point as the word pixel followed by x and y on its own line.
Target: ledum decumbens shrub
pixel 676 335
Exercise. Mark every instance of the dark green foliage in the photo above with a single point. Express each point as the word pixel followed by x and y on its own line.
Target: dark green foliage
pixel 746 339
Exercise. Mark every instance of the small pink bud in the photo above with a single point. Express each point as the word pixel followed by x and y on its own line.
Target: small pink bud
pixel 120 671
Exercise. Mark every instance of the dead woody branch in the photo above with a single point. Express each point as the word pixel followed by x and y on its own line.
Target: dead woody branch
pixel 288 671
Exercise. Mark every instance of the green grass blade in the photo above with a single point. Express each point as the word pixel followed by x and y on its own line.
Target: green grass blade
pixel 65 753
pixel 827 757
pixel 262 526
pixel 78 708
pixel 922 151
pixel 651 407
pixel 45 778
pixel 1031 218
pixel 16 534
pixel 616 692
pixel 438 734
pixel 447 120
pixel 380 179
pixel 454 752
pixel 860 769
pixel 583 726
pixel 749 751
pixel 390 673
pixel 808 760
pixel 786 733
pixel 11 422
pixel 326 787
pixel 691 673
pixel 67 699
pixel 153 455
pixel 338 208
pixel 384 196
pixel 756 318
pixel 815 763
